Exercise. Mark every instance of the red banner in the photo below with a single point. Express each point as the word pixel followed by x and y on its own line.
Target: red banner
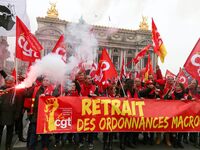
pixel 103 114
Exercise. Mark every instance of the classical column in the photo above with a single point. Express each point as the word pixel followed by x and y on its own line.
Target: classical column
pixel 4 53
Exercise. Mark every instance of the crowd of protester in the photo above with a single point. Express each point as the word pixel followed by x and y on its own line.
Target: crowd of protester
pixel 14 104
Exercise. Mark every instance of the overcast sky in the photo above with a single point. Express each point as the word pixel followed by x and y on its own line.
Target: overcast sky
pixel 178 21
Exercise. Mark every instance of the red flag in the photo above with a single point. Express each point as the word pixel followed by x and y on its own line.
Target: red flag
pixel 123 71
pixel 159 47
pixel 81 66
pixel 140 55
pixel 60 46
pixel 27 46
pixel 14 74
pixel 106 70
pixel 169 73
pixel 182 78
pixel 149 68
pixel 93 69
pixel 192 65
pixel 137 75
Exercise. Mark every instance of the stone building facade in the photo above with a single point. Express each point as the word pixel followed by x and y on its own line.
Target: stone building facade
pixel 119 42
pixel 4 53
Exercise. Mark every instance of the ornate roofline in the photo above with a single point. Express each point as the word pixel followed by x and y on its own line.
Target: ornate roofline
pixel 100 27
pixel 51 20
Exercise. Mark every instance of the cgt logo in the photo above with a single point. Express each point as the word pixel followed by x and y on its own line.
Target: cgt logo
pixel 182 79
pixel 64 123
pixel 27 51
pixel 195 62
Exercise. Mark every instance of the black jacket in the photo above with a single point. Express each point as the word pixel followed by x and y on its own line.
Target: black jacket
pixel 33 117
pixel 3 73
pixel 148 93
pixel 9 110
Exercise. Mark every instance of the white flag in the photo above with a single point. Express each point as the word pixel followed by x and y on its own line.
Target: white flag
pixel 9 9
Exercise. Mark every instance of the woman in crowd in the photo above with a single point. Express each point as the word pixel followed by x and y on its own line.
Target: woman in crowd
pixel 192 94
pixel 149 92
pixel 177 94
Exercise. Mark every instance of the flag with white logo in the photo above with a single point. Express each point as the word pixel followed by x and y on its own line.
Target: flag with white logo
pixel 60 48
pixel 27 46
pixel 106 70
pixel 192 65
pixel 182 78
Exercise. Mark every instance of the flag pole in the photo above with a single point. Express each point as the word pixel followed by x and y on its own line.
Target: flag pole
pixel 175 82
pixel 122 87
pixel 16 69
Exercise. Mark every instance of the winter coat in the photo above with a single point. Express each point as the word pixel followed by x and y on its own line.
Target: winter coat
pixel 9 110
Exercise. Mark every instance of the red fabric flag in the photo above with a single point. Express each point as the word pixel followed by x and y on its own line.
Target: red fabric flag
pixel 182 78
pixel 169 73
pixel 60 48
pixel 137 75
pixel 81 66
pixel 106 70
pixel 93 69
pixel 140 55
pixel 159 47
pixel 27 46
pixel 149 68
pixel 14 74
pixel 192 65
pixel 123 71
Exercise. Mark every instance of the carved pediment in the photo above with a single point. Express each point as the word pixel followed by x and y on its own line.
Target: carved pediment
pixel 117 37
pixel 101 35
pixel 49 31
pixel 130 38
